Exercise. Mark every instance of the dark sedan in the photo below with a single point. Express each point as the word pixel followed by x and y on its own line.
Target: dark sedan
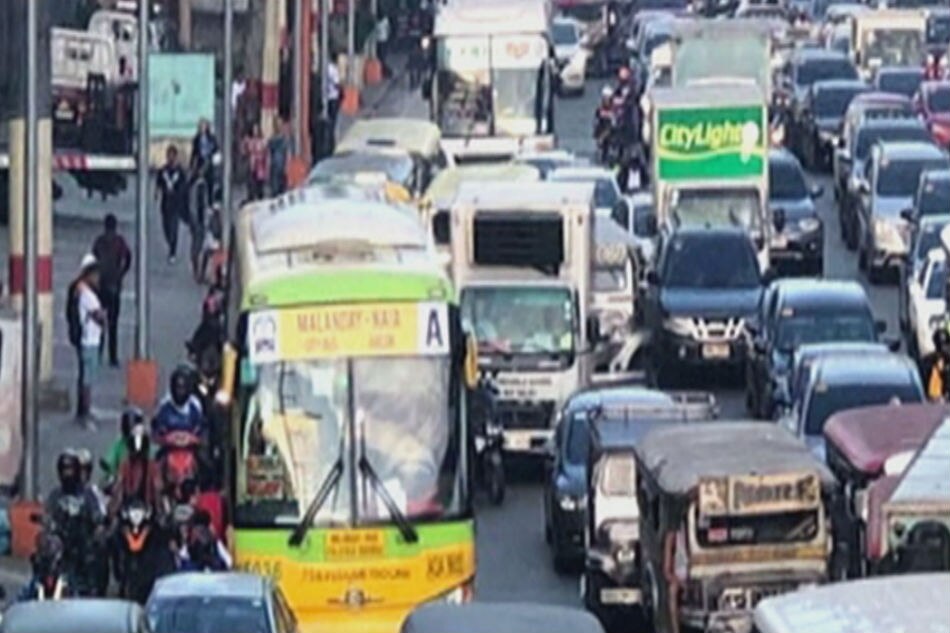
pixel 822 115
pixel 800 243
pixel 798 312
pixel 902 80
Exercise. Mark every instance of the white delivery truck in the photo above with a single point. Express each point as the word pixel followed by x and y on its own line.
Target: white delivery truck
pixel 888 37
pixel 522 263
pixel 492 93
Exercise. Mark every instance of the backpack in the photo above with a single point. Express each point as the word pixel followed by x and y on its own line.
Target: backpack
pixel 73 322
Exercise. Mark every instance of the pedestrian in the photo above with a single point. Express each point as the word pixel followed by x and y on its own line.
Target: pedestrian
pixel 172 190
pixel 331 96
pixel 115 258
pixel 204 146
pixel 254 148
pixel 382 42
pixel 86 315
pixel 279 150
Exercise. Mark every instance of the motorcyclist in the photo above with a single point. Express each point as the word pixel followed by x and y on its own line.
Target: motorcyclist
pixel 203 551
pixel 49 581
pixel 74 515
pixel 139 476
pixel 938 384
pixel 100 559
pixel 120 446
pixel 180 410
pixel 604 122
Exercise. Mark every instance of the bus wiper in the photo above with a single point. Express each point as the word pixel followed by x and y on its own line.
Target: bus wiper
pixel 406 529
pixel 329 484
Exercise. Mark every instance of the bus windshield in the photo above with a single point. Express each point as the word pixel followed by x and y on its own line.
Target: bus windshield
pixel 520 320
pixel 300 418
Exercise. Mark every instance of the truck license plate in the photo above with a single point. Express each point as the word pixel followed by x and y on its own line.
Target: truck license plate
pixel 620 596
pixel 716 351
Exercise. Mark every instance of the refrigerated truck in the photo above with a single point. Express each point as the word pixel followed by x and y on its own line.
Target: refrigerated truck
pixel 522 263
pixel 710 159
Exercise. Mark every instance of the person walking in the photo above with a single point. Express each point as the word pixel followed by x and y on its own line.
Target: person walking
pixel 255 150
pixel 204 146
pixel 86 319
pixel 172 191
pixel 115 258
pixel 279 150
pixel 382 42
pixel 331 95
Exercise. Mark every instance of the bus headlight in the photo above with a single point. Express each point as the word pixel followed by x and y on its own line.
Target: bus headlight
pixel 458 595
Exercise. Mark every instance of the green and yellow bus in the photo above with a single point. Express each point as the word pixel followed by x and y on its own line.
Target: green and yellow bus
pixel 348 373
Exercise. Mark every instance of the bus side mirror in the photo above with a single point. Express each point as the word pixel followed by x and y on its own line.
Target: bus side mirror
pixel 470 368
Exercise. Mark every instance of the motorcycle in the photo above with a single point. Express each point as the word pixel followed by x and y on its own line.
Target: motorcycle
pixel 179 459
pixel 489 443
pixel 135 567
pixel 80 540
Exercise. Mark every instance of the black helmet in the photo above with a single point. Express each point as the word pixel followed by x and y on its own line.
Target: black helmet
pixel 137 441
pixel 67 470
pixel 181 384
pixel 130 417
pixel 48 557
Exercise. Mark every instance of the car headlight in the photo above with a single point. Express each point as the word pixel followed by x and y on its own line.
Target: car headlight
pixel 625 555
pixel 570 503
pixel 809 225
pixel 683 326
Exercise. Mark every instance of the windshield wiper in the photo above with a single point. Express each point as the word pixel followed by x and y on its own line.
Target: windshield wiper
pixel 328 485
pixel 406 529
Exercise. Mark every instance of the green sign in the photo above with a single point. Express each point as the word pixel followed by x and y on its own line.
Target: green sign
pixel 180 93
pixel 711 143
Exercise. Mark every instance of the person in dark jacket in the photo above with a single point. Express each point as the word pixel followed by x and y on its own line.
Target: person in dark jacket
pixel 204 146
pixel 115 258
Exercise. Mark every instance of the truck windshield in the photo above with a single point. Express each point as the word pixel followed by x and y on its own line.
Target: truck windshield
pixel 513 320
pixel 938 29
pixel 717 207
pixel 892 47
pixel 299 416
pixel 757 529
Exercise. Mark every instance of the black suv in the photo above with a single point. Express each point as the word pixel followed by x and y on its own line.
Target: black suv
pixel 798 312
pixel 706 284
pixel 821 116
pixel 800 243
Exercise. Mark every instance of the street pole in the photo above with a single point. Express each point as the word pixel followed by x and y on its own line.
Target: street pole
pixel 297 108
pixel 141 192
pixel 228 127
pixel 31 246
pixel 351 42
pixel 324 63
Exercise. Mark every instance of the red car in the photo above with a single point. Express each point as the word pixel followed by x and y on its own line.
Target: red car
pixel 933 104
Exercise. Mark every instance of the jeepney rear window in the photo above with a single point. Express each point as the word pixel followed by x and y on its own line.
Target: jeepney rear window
pixel 757 529
pixel 618 476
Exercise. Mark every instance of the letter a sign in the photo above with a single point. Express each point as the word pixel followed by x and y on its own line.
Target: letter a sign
pixel 433 326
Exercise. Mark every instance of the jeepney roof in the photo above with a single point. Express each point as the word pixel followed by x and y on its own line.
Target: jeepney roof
pixel 528 195
pixel 444 187
pixel 867 436
pixel 699 96
pixel 677 457
pixel 887 604
pixel 495 17
pixel 500 617
pixel 927 478
pixel 620 417
pixel 394 163
pixel 416 136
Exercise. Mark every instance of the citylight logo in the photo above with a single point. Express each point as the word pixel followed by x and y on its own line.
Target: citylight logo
pixel 705 138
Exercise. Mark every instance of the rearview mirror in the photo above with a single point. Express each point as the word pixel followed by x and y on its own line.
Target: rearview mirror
pixel 778 220
pixel 816 192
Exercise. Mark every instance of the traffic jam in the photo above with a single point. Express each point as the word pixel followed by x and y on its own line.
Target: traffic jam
pixel 641 323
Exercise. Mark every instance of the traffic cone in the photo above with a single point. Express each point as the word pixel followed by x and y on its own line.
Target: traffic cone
pixel 141 383
pixel 351 101
pixel 372 71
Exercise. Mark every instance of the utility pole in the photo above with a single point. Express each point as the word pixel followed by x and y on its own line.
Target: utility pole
pixel 228 128
pixel 327 133
pixel 141 192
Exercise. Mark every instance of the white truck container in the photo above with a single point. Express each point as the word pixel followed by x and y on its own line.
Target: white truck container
pixel 888 37
pixel 522 263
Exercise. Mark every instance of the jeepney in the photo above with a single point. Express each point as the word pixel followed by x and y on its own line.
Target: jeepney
pixel 610 583
pixel 861 447
pixel 730 513
pixel 916 602
pixel 421 139
pixel 889 37
pixel 615 289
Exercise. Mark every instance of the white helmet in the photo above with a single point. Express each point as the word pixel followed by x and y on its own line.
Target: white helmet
pixel 606 92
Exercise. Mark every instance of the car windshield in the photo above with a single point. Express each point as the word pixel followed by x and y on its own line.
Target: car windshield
pixel 578 440
pixel 786 181
pixel 902 177
pixel 298 415
pixel 894 47
pixel 938 99
pixel 717 207
pixel 610 278
pixel 938 281
pixel 584 12
pixel 928 239
pixel 868 136
pixel 903 83
pixel 938 29
pixel 521 320
pixel 564 34
pixel 935 197
pixel 825 401
pixel 832 103
pixel 205 614
pixel 803 329
pixel 824 69
pixel 688 264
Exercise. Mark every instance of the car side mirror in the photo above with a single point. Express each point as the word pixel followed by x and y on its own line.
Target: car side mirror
pixel 840 143
pixel 880 326
pixel 816 192
pixel 908 215
pixel 778 220
pixel 893 343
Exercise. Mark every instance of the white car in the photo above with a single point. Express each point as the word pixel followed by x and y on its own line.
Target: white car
pixel 925 303
pixel 607 194
pixel 571 55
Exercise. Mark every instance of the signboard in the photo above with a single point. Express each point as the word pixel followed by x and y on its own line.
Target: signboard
pixel 711 143
pixel 181 92
pixel 373 329
pixel 758 494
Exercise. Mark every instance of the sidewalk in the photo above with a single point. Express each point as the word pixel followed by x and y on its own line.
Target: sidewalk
pixel 375 98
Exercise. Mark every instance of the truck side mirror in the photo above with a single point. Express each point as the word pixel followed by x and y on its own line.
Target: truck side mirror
pixel 593 329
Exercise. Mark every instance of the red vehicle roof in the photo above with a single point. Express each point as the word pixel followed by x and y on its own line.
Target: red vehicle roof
pixel 866 437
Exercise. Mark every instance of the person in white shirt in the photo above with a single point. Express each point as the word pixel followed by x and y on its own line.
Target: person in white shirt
pixel 382 42
pixel 92 318
pixel 331 96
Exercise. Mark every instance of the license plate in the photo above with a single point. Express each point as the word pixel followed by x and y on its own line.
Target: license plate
pixel 716 350
pixel 779 241
pixel 517 441
pixel 620 596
